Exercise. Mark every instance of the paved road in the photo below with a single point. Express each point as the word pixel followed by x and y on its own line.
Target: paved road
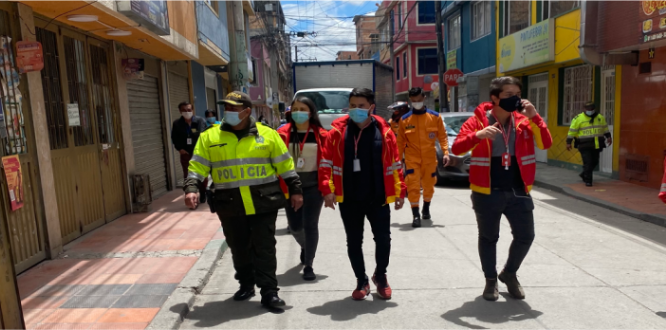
pixel 588 268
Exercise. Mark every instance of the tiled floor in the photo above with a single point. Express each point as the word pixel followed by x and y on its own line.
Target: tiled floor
pixel 80 291
pixel 631 196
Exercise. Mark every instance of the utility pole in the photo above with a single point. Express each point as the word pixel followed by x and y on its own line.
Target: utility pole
pixel 392 53
pixel 443 98
pixel 238 73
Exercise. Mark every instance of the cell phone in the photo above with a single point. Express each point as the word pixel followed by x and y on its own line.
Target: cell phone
pixel 520 106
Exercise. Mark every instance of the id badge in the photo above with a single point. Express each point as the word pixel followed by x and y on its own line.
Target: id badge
pixel 357 165
pixel 506 160
pixel 300 163
pixel 189 141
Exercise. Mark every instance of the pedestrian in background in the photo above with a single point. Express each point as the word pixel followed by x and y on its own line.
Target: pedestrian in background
pixel 502 135
pixel 361 170
pixel 305 140
pixel 185 133
pixel 245 159
pixel 590 131
pixel 397 110
pixel 211 118
pixel 419 130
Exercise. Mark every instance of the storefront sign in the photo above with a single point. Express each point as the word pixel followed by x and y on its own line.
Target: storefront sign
pixel 73 116
pixel 153 15
pixel 452 59
pixel 653 20
pixel 133 68
pixel 14 177
pixel 29 56
pixel 530 46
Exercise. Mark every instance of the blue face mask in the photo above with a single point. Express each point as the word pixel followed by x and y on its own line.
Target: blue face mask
pixel 358 115
pixel 231 118
pixel 211 120
pixel 300 117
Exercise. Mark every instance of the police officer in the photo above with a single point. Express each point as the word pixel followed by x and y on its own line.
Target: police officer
pixel 245 159
pixel 591 133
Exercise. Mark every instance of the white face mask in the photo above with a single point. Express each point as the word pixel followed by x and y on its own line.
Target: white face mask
pixel 187 115
pixel 417 105
pixel 590 113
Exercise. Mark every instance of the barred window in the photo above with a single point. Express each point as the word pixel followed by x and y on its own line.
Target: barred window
pixel 12 125
pixel 55 111
pixel 577 91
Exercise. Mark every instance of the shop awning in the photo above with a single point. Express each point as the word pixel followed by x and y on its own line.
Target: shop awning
pixel 141 39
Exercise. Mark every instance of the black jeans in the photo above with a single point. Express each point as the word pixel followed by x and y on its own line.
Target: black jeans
pixel 517 206
pixel 590 162
pixel 304 223
pixel 252 241
pixel 353 215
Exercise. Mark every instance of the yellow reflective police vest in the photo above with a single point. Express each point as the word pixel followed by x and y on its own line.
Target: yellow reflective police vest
pixel 253 160
pixel 587 131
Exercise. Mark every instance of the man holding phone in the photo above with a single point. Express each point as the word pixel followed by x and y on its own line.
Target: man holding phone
pixel 502 135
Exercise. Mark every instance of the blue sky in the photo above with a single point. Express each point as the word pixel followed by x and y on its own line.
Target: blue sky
pixel 333 23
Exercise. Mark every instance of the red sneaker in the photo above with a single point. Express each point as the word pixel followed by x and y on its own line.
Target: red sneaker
pixel 383 288
pixel 362 290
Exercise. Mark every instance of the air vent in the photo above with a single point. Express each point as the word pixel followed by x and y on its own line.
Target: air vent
pixel 637 167
pixel 645 68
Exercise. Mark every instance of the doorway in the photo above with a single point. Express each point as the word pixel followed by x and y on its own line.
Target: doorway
pixel 538 95
pixel 607 109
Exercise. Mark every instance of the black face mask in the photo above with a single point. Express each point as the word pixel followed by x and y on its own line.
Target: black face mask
pixel 511 104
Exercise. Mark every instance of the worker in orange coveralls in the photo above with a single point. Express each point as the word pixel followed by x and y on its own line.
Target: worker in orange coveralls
pixel 662 191
pixel 419 129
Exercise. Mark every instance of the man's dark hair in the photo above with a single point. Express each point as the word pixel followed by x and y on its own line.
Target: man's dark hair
pixel 416 91
pixel 497 85
pixel 182 104
pixel 363 92
pixel 209 112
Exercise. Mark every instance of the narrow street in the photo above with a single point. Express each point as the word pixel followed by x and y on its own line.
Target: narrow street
pixel 588 268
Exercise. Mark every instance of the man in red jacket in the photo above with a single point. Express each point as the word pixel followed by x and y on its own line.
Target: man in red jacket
pixel 361 170
pixel 502 135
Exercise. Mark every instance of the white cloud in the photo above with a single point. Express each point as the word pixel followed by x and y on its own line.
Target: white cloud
pixel 331 20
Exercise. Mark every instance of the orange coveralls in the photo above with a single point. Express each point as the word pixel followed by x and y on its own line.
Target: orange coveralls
pixel 416 140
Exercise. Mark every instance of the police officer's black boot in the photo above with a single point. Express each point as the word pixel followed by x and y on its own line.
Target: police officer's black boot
pixel 244 293
pixel 426 211
pixel 417 217
pixel 272 300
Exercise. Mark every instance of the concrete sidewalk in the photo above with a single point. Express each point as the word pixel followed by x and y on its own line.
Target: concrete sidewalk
pixel 119 275
pixel 619 196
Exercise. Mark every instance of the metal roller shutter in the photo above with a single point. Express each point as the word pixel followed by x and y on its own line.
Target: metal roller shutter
pixel 147 136
pixel 178 92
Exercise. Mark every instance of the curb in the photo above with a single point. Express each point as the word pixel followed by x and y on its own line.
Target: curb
pixel 657 220
pixel 174 310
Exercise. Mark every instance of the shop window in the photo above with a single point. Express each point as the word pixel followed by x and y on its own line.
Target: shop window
pixel 426 11
pixel 101 90
pixel 577 90
pixel 481 19
pixel 557 8
pixel 10 96
pixel 427 62
pixel 454 32
pixel 516 16
pixel 77 84
pixel 53 103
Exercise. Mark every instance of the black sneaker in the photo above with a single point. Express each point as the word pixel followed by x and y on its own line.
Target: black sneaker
pixel 244 293
pixel 272 300
pixel 308 274
pixel 417 222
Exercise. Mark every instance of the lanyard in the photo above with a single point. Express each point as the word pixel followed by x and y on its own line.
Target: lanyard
pixel 302 144
pixel 506 135
pixel 356 139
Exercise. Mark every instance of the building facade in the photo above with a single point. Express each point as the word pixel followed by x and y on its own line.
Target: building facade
pixel 366 37
pixel 346 55
pixel 538 41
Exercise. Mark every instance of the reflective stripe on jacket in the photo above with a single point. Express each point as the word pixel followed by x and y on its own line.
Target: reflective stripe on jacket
pixel 419 130
pixel 528 131
pixel 285 134
pixel 332 163
pixel 588 131
pixel 255 160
